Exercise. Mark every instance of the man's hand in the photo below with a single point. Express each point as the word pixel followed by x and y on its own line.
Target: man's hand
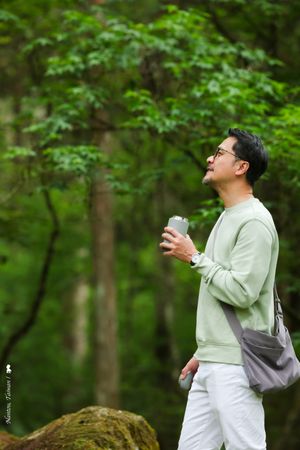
pixel 191 366
pixel 179 246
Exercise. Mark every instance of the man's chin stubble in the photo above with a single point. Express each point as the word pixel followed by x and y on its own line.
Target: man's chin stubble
pixel 206 181
pixel 209 182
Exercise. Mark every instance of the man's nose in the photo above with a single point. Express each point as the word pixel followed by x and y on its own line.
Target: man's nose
pixel 210 159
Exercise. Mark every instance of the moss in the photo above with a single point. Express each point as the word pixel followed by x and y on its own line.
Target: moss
pixel 84 444
pixel 91 428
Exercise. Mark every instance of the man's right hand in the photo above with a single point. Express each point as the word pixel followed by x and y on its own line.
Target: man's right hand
pixel 191 366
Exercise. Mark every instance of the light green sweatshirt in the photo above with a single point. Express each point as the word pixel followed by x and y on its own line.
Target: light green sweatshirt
pixel 240 271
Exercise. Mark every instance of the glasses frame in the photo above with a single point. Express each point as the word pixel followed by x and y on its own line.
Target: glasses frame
pixel 220 149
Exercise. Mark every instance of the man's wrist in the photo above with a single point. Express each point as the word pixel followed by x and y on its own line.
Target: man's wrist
pixel 195 258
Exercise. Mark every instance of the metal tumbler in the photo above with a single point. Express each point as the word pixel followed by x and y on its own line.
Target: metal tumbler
pixel 181 224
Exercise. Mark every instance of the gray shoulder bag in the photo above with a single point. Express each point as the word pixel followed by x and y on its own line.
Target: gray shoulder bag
pixel 270 362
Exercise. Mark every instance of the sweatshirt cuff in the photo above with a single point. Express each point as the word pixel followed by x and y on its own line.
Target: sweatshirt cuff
pixel 206 267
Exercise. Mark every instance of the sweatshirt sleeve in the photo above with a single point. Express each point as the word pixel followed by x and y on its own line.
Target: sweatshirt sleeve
pixel 249 261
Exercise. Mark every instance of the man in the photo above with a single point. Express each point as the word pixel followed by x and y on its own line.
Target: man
pixel 238 268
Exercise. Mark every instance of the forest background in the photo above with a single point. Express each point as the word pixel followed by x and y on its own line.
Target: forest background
pixel 108 112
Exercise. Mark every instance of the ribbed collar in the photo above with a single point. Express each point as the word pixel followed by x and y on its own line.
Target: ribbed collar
pixel 242 205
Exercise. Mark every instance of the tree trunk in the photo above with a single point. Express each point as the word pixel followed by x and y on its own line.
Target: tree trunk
pixel 77 313
pixel 105 311
pixel 76 339
pixel 166 347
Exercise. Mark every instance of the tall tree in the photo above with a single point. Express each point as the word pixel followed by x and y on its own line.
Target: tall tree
pixel 105 308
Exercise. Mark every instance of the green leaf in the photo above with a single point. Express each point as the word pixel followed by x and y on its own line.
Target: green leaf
pixel 18 152
pixel 79 159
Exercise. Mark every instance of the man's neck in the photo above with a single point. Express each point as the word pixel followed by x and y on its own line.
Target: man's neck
pixel 232 197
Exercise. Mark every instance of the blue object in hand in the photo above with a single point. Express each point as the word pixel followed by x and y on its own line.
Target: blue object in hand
pixel 186 382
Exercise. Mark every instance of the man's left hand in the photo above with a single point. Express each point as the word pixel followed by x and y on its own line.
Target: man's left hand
pixel 179 246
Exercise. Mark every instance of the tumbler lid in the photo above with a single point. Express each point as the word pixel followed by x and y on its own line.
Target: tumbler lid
pixel 181 219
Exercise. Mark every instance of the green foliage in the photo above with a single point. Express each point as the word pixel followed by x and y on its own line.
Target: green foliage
pixel 200 82
pixel 79 159
pixel 296 342
pixel 196 77
pixel 285 141
pixel 18 152
pixel 207 214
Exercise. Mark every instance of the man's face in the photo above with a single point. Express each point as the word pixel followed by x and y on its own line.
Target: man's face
pixel 222 165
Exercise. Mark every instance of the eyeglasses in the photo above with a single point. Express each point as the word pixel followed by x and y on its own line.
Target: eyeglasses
pixel 218 153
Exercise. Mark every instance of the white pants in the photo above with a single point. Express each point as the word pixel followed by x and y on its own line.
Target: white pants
pixel 221 408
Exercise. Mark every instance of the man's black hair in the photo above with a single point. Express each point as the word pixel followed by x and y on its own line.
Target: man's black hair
pixel 249 147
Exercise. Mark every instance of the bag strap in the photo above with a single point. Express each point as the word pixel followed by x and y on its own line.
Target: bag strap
pixel 234 322
pixel 277 303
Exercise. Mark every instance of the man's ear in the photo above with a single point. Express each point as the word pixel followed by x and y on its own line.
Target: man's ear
pixel 242 167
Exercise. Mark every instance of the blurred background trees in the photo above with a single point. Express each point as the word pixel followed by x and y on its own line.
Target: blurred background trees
pixel 108 112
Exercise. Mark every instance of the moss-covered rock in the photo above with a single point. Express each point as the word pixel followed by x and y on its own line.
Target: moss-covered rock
pixel 91 428
pixel 6 438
